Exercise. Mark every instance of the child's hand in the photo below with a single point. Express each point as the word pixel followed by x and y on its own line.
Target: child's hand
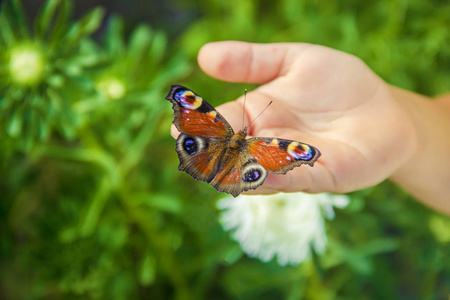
pixel 322 97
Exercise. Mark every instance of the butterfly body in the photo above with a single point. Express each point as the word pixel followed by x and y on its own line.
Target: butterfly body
pixel 209 149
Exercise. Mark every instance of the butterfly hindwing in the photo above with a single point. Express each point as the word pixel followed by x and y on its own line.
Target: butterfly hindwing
pixel 227 170
pixel 194 116
pixel 198 156
pixel 244 174
pixel 278 156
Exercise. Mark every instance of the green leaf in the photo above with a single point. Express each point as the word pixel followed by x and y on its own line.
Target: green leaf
pixel 55 80
pixel 44 130
pixel 85 26
pixel 45 17
pixel 7 35
pixel 114 37
pixel 378 246
pixel 158 47
pixel 96 205
pixel 61 25
pixel 177 67
pixel 17 19
pixel 161 202
pixel 14 127
pixel 148 270
pixel 90 54
pixel 140 41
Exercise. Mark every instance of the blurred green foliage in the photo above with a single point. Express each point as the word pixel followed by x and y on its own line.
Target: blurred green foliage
pixel 93 206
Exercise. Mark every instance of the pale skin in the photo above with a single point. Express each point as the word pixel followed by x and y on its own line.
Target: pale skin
pixel 366 129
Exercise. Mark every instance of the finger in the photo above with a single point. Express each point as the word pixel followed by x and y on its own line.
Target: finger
pixel 174 131
pixel 245 62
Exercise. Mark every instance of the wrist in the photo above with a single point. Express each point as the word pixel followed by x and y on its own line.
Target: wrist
pixel 410 136
pixel 425 171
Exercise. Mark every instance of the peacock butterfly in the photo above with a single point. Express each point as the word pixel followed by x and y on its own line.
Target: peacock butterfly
pixel 209 150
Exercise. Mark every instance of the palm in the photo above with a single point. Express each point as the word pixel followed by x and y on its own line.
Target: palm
pixel 334 102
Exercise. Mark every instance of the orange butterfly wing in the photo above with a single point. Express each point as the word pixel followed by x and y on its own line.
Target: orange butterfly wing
pixel 278 156
pixel 194 116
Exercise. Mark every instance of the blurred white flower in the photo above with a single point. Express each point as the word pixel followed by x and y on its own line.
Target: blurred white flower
pixel 284 225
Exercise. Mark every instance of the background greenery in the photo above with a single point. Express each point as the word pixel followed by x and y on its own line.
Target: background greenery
pixel 92 204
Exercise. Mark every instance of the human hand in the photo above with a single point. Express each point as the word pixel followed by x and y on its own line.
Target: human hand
pixel 322 97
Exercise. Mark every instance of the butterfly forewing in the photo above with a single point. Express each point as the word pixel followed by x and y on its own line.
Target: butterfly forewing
pixel 279 155
pixel 195 116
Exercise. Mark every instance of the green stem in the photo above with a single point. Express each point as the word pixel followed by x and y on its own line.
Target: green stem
pixel 134 155
pixel 93 156
pixel 97 203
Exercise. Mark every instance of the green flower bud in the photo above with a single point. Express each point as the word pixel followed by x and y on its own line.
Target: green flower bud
pixel 26 65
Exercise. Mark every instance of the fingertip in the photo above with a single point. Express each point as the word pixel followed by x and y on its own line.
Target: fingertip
pixel 224 60
pixel 174 132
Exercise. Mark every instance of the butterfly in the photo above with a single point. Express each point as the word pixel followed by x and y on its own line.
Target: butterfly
pixel 209 150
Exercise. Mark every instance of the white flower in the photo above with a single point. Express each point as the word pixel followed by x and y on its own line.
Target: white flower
pixel 281 225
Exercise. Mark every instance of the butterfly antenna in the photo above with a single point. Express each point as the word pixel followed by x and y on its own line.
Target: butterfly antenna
pixel 260 113
pixel 243 110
